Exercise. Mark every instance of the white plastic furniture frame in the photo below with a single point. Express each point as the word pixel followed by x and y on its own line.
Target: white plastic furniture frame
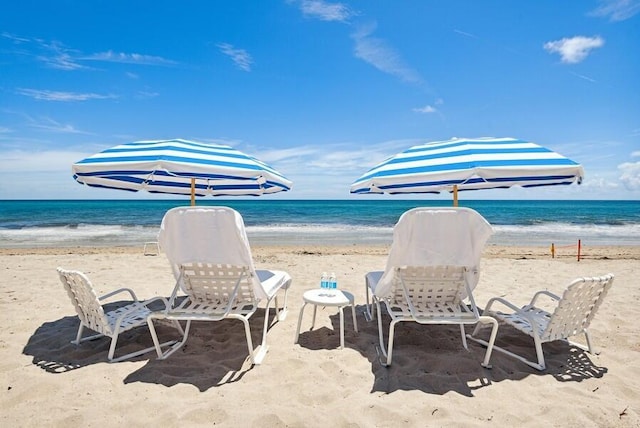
pixel 151 244
pixel 572 315
pixel 328 297
pixel 430 295
pixel 214 292
pixel 91 313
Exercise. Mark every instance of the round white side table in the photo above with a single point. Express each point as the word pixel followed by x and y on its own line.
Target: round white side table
pixel 328 297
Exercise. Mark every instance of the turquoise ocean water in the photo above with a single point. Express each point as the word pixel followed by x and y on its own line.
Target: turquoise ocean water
pixel 65 223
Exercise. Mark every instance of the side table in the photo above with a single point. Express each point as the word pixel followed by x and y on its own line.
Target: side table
pixel 328 297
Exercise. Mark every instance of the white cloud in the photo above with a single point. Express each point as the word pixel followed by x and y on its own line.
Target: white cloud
pixel 48 124
pixel 240 57
pixel 630 175
pixel 635 154
pixel 128 58
pixel 617 10
pixel 146 94
pixel 378 53
pixel 326 11
pixel 582 76
pixel 426 109
pixel 47 95
pixel 42 161
pixel 575 49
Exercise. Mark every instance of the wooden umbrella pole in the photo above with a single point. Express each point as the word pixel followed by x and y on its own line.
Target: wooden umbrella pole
pixel 193 191
pixel 455 195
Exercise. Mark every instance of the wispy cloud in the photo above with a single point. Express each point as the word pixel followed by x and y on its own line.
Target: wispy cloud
pixel 48 124
pixel 55 54
pixel 128 58
pixel 582 76
pixel 240 57
pixel 575 49
pixel 326 11
pixel 617 10
pixel 379 54
pixel 464 33
pixel 146 94
pixel 47 95
pixel 635 154
pixel 426 109
pixel 429 108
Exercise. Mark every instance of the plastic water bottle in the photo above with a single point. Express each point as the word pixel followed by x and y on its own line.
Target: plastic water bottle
pixel 324 281
pixel 332 281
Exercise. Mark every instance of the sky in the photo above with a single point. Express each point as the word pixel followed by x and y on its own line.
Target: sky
pixel 320 90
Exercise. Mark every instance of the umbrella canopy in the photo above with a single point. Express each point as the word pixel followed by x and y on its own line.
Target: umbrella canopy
pixel 469 164
pixel 179 167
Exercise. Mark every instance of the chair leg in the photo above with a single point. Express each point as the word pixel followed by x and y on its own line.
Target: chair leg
pixel 464 338
pixel 541 364
pixel 175 345
pixel 369 312
pixel 299 322
pixel 492 338
pixel 386 353
pixel 255 359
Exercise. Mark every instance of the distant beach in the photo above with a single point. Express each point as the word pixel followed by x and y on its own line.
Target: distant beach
pixel 53 223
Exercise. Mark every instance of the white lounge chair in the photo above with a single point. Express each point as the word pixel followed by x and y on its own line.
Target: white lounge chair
pixel 93 316
pixel 211 259
pixel 433 266
pixel 572 315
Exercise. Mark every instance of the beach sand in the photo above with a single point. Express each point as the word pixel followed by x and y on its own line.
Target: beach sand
pixel 433 381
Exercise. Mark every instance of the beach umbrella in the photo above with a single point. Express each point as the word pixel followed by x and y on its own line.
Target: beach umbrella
pixel 469 164
pixel 179 167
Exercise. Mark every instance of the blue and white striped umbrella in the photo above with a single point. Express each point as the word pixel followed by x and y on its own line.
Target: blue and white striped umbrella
pixel 469 164
pixel 174 166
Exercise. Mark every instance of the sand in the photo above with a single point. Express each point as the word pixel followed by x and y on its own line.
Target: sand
pixel 434 381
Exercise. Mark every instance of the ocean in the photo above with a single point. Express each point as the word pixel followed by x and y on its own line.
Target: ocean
pixel 69 223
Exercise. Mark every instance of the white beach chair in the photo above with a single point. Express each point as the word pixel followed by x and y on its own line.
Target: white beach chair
pixel 92 315
pixel 433 266
pixel 572 315
pixel 211 259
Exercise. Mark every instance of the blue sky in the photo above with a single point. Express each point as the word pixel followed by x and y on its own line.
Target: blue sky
pixel 321 90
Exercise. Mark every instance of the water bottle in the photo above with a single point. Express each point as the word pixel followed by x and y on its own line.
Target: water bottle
pixel 324 282
pixel 332 281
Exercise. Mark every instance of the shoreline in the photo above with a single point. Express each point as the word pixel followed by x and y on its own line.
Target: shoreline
pixel 598 252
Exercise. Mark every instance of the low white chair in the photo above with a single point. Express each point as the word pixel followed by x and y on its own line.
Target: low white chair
pixel 572 315
pixel 432 269
pixel 92 315
pixel 211 260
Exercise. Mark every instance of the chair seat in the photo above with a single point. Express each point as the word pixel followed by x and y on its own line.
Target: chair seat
pixel 517 320
pixel 135 315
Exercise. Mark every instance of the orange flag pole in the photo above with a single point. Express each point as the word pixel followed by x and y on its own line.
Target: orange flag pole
pixel 193 191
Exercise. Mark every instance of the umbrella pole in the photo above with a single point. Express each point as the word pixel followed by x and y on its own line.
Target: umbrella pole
pixel 193 191
pixel 455 195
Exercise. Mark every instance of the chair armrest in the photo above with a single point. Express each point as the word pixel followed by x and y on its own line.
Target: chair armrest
pixel 500 300
pixel 545 293
pixel 118 291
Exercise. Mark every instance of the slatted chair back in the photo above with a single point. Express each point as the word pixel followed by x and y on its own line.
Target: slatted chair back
pixel 577 307
pixel 218 284
pixel 437 290
pixel 85 301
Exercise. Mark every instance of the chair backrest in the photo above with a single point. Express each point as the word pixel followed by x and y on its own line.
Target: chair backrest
pixel 85 300
pixel 429 286
pixel 577 307
pixel 445 236
pixel 213 235
pixel 206 282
